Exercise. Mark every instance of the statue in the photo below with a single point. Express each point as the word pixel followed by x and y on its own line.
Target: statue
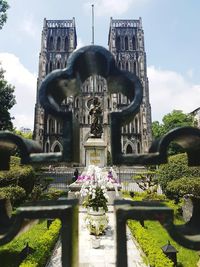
pixel 96 113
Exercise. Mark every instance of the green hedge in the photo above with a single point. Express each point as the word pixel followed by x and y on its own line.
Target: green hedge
pixel 154 254
pixel 21 175
pixel 16 194
pixel 176 168
pixel 45 245
pixel 41 239
pixel 183 186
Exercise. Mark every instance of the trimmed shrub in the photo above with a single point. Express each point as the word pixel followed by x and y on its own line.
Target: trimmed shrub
pixel 16 194
pixel 45 245
pixel 183 186
pixel 53 194
pixel 36 193
pixel 21 175
pixel 39 238
pixel 154 196
pixel 154 254
pixel 176 168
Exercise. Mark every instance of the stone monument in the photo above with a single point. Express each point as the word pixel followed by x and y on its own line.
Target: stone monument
pixel 95 146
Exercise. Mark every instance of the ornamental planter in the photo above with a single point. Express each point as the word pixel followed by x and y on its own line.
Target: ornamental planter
pixel 96 221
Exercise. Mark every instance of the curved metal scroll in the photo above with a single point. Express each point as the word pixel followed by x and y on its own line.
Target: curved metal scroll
pixel 186 235
pixel 91 60
pixel 96 60
pixel 65 210
pixel 187 137
pixel 83 63
pixel 9 142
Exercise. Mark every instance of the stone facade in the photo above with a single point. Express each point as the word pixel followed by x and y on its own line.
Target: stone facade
pixel 196 114
pixel 126 42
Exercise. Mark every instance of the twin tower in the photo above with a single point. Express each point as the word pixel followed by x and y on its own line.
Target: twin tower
pixel 126 43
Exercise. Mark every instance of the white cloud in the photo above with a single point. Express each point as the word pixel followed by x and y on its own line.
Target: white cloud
pixel 170 90
pixel 190 73
pixel 25 89
pixel 112 7
pixel 28 25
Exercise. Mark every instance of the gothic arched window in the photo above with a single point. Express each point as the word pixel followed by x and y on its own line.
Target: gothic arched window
pixel 51 43
pixel 108 103
pixel 66 44
pixel 133 43
pixel 129 149
pixel 57 148
pixel 126 43
pixel 118 43
pixel 127 66
pixel 138 148
pixel 77 102
pixel 47 147
pixel 51 126
pixel 58 45
pixel 136 125
pixel 50 66
pixel 119 98
pixel 134 68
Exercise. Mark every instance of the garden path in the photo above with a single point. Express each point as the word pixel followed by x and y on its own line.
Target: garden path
pixel 103 256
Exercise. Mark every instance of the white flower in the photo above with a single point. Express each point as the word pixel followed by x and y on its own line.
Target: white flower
pixel 77 194
pixel 106 196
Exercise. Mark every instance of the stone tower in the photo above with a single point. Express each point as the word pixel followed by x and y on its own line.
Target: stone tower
pixel 58 42
pixel 126 43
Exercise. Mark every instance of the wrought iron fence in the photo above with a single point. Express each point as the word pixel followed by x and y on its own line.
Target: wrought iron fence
pixel 54 89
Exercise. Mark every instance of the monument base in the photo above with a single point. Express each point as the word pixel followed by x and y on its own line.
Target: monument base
pixel 95 151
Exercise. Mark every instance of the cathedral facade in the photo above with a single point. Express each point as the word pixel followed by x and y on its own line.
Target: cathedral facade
pixel 126 43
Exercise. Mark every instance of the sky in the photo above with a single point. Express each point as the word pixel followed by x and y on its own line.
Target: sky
pixel 172 42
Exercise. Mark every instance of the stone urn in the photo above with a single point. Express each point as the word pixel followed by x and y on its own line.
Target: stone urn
pixel 96 221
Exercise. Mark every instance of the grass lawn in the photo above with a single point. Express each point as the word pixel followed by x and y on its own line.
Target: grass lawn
pixel 187 257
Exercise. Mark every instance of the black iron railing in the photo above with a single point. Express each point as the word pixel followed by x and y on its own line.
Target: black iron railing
pixel 55 88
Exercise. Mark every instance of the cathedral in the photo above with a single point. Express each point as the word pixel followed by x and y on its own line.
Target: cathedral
pixel 126 43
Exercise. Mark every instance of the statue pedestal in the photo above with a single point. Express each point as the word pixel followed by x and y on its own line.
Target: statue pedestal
pixel 95 152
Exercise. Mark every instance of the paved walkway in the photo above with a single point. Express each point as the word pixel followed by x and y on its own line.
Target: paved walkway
pixel 103 256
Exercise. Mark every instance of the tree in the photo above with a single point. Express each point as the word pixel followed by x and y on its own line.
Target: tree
pixel 176 168
pixel 157 129
pixel 170 121
pixel 7 101
pixel 28 135
pixel 3 16
pixel 147 181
